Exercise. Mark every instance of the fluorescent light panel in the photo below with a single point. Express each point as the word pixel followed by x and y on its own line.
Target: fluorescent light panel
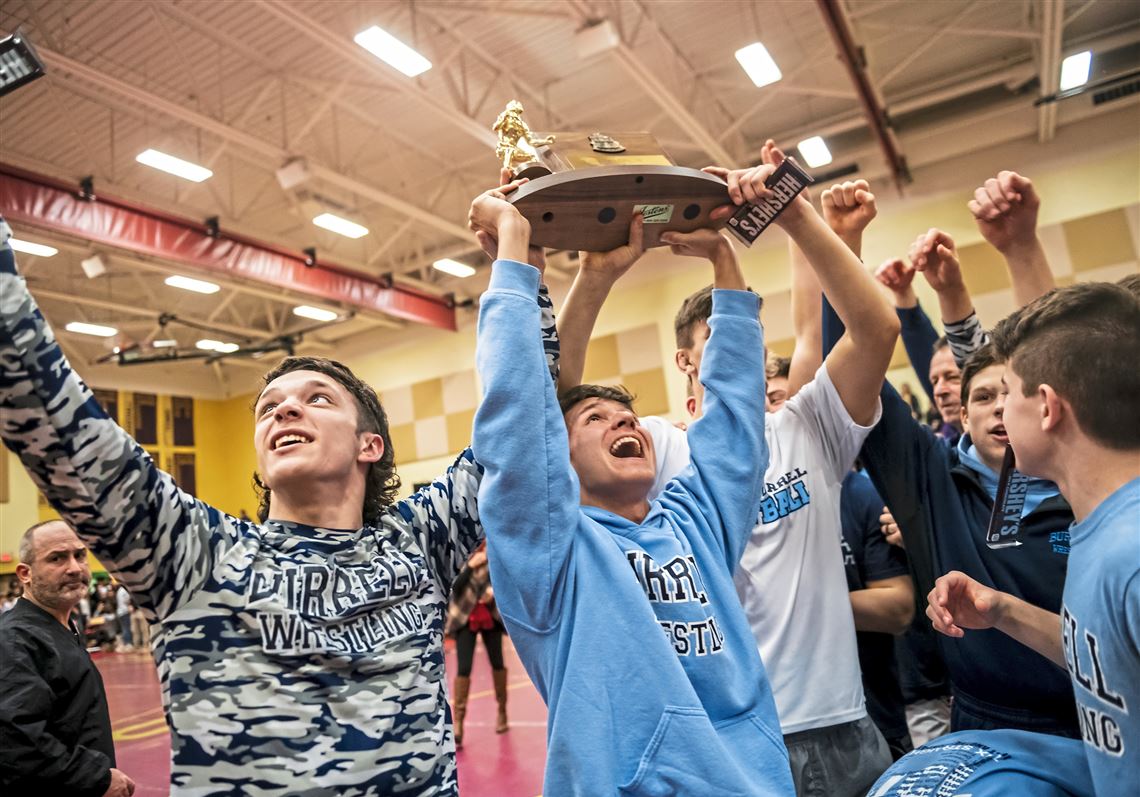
pixel 97 330
pixel 349 229
pixel 814 151
pixel 172 165
pixel 392 51
pixel 216 345
pixel 30 248
pixel 190 284
pixel 453 267
pixel 758 64
pixel 164 344
pixel 315 313
pixel 1075 70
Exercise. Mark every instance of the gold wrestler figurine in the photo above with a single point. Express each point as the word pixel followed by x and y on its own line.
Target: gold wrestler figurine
pixel 516 141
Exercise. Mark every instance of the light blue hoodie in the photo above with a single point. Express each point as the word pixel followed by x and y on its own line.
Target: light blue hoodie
pixel 632 633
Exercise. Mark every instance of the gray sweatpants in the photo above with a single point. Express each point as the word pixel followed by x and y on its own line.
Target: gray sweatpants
pixel 837 761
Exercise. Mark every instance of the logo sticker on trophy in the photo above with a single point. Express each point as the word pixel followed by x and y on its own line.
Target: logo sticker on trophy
pixel 585 187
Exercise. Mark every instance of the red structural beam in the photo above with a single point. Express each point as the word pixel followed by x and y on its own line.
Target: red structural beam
pixel 835 20
pixel 43 202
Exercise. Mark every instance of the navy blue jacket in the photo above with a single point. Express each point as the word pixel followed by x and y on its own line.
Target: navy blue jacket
pixel 943 511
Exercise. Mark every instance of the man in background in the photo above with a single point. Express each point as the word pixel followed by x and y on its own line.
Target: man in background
pixel 55 732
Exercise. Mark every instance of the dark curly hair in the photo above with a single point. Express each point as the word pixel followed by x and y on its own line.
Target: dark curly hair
pixel 570 398
pixel 381 483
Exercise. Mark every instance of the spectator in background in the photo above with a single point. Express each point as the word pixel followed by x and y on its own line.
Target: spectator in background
pixel 55 732
pixel 911 399
pixel 123 617
pixel 471 613
pixel 140 628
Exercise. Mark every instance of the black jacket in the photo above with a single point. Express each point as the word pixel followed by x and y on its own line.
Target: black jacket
pixel 943 512
pixel 55 732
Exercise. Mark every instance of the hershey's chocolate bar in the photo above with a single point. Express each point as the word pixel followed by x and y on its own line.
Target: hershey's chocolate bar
pixel 752 219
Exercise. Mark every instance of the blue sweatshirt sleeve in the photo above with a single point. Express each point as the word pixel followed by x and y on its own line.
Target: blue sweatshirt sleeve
pixel 727 489
pixel 444 515
pixel 529 495
pixel 161 542
pixel 918 337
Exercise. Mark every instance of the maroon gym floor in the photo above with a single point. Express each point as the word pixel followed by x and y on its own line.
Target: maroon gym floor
pixel 490 764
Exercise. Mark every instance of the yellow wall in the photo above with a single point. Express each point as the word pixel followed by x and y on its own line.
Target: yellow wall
pixel 224 458
pixel 223 432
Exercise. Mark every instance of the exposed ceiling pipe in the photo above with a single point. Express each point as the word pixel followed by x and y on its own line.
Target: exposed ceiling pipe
pixel 1052 28
pixel 835 19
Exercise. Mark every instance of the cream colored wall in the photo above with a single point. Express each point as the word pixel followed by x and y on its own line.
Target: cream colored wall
pixel 1071 187
pixel 1073 182
pixel 19 512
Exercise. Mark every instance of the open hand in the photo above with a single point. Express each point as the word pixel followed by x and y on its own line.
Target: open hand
pixel 959 602
pixel 896 274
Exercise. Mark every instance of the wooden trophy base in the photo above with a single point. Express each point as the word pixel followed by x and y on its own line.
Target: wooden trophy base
pixel 590 209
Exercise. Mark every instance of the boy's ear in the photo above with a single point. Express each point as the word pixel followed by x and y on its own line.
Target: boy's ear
pixel 691 406
pixel 681 358
pixel 371 447
pixel 1053 408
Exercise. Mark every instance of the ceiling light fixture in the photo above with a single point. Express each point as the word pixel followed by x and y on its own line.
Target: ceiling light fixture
pixel 168 343
pixel 1075 70
pixel 190 284
pixel 19 63
pixel 31 248
pixel 216 345
pixel 172 165
pixel 392 51
pixel 349 229
pixel 453 267
pixel 97 330
pixel 315 313
pixel 758 64
pixel 814 151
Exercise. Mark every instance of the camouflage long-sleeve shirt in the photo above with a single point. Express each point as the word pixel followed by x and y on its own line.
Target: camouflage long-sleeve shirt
pixel 293 660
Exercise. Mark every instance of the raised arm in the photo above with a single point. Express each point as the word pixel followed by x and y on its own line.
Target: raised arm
pixel 934 254
pixel 597 273
pixel 529 494
pixel 858 363
pixel 918 334
pixel 159 541
pixel 847 208
pixel 1005 209
pixel 732 382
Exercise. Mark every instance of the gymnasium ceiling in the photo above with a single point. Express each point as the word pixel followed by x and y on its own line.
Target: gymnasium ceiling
pixel 244 86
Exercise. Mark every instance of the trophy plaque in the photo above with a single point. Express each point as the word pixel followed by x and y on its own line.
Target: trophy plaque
pixel 584 188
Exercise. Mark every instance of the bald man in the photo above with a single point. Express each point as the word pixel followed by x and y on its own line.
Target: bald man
pixel 55 732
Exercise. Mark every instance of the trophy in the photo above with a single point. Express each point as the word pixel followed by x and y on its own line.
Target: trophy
pixel 584 187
